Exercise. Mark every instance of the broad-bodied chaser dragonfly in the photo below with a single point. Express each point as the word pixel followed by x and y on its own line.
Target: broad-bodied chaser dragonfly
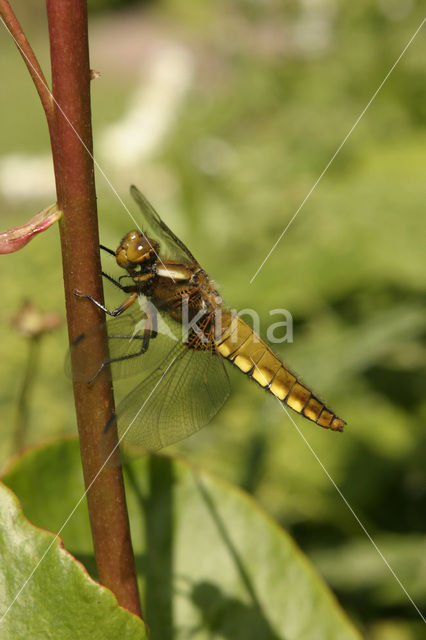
pixel 178 339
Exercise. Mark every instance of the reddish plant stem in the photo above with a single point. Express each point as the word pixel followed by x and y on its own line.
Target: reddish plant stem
pixel 74 174
pixel 30 60
pixel 69 120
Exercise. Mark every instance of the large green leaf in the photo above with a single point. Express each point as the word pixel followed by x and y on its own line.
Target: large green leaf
pixel 45 593
pixel 211 563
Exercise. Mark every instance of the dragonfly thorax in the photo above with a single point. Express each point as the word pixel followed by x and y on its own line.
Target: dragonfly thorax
pixel 136 249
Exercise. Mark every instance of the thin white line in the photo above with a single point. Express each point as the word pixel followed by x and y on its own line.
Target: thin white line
pixel 96 163
pixel 355 516
pixel 81 499
pixel 341 145
pixel 346 502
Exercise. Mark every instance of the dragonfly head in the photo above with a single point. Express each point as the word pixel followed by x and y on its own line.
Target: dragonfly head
pixel 136 249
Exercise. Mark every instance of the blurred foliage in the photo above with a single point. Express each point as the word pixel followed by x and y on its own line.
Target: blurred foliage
pixel 95 6
pixel 278 86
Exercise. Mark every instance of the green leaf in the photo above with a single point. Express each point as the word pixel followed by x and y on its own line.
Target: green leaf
pixel 45 593
pixel 211 563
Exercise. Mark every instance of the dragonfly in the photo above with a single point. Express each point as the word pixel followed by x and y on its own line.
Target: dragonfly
pixel 174 331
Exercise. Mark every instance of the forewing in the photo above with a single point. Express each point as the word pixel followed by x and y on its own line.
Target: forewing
pixel 155 228
pixel 173 402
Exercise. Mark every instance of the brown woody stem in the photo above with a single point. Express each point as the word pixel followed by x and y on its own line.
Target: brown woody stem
pixel 69 120
pixel 74 173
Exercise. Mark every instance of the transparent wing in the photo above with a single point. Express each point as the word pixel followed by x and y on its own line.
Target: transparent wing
pixel 126 336
pixel 155 228
pixel 181 389
pixel 174 401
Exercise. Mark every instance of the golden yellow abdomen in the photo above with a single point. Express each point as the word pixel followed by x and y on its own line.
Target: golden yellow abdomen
pixel 239 344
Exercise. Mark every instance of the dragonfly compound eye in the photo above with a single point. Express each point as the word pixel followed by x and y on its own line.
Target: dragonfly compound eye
pixel 136 248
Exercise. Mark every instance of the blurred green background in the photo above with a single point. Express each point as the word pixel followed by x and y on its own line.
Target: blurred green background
pixel 225 115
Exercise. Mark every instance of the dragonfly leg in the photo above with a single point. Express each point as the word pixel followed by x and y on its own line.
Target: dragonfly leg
pixel 121 358
pixel 112 360
pixel 104 248
pixel 150 332
pixel 117 283
pixel 151 326
pixel 115 312
pixel 136 279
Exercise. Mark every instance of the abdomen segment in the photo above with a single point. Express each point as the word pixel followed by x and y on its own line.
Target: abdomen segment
pixel 239 344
